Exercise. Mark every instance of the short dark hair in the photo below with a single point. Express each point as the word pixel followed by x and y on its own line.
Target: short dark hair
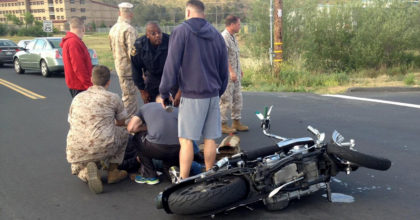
pixel 231 19
pixel 197 5
pixel 76 22
pixel 151 23
pixel 100 75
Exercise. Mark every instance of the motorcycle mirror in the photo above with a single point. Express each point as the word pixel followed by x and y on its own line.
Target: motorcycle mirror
pixel 269 111
pixel 265 111
pixel 337 138
pixel 259 115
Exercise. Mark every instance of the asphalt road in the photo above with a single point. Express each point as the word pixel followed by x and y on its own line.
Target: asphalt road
pixel 35 179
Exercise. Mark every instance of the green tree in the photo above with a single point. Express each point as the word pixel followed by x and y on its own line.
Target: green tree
pixel 14 19
pixel 29 19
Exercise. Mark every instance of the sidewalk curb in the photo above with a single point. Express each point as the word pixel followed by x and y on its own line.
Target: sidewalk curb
pixel 384 89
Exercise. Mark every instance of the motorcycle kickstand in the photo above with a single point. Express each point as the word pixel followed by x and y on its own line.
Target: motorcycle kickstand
pixel 328 189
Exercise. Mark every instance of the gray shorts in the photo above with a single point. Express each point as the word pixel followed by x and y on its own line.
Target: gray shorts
pixel 199 118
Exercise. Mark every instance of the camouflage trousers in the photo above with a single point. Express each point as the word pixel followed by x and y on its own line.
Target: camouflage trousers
pixel 231 100
pixel 129 95
pixel 116 153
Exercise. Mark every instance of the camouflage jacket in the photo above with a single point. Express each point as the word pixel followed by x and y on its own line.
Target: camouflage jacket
pixel 233 52
pixel 122 37
pixel 92 118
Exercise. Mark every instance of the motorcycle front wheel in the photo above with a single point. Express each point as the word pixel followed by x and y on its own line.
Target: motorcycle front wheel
pixel 207 196
pixel 358 158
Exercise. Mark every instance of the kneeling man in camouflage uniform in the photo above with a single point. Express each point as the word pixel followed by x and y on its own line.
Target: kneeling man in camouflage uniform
pixel 96 134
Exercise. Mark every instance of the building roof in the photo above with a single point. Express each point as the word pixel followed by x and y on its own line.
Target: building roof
pixel 104 4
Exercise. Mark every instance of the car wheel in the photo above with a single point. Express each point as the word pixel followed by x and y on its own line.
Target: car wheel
pixel 44 69
pixel 18 67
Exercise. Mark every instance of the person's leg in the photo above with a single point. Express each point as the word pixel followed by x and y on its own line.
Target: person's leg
pixel 186 156
pixel 237 108
pixel 191 118
pixel 146 155
pixel 225 107
pixel 129 95
pixel 121 139
pixel 209 153
pixel 130 163
pixel 74 92
pixel 211 131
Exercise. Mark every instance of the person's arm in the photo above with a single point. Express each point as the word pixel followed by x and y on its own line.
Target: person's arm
pixel 137 67
pixel 223 69
pixel 135 125
pixel 130 37
pixel 120 112
pixel 228 42
pixel 173 63
pixel 79 63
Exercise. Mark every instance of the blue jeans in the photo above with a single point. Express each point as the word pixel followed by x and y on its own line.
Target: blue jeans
pixel 196 167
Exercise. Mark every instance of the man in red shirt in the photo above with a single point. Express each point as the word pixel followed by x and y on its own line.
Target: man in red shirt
pixel 76 58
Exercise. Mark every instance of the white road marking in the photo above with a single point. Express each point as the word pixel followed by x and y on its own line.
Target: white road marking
pixel 374 100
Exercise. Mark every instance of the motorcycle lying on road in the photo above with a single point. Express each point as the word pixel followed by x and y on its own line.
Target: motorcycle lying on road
pixel 274 174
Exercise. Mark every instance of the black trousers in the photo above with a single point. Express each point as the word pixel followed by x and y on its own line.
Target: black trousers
pixel 130 163
pixel 169 154
pixel 74 92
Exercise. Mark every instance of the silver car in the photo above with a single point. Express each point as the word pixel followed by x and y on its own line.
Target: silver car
pixel 44 54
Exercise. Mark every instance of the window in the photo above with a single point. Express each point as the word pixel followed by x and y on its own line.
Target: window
pixel 57 9
pixel 83 9
pixel 43 18
pixel 56 1
pixel 72 1
pixel 72 9
pixel 61 9
pixel 82 2
pixel 61 1
pixel 83 17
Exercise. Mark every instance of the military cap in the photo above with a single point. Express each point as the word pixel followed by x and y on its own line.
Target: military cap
pixel 125 5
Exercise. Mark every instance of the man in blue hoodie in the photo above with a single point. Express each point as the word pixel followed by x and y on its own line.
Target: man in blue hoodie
pixel 197 62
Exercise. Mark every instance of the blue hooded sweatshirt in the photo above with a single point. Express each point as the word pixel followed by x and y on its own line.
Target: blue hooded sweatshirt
pixel 197 61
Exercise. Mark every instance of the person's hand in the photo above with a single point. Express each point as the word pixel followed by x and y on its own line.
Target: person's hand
pixel 233 76
pixel 144 96
pixel 177 98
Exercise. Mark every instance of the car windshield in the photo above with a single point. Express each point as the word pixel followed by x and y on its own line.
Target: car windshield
pixel 7 43
pixel 55 43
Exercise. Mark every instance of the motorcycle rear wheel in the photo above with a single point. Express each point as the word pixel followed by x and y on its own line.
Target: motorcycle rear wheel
pixel 358 158
pixel 207 196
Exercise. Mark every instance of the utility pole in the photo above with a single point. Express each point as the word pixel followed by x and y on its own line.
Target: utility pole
pixel 278 36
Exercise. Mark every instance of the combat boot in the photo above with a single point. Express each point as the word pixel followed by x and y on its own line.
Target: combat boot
pixel 238 126
pixel 226 129
pixel 114 174
pixel 93 178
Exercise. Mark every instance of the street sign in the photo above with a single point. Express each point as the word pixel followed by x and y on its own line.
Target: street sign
pixel 47 26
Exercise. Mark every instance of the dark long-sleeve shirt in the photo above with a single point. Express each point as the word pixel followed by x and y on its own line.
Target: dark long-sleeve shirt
pixel 150 61
pixel 197 61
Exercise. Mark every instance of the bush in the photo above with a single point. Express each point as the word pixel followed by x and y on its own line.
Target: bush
pixel 35 31
pixel 3 30
pixel 410 79
pixel 348 37
pixel 13 31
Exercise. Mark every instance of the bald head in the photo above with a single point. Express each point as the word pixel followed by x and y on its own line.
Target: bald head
pixel 153 33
